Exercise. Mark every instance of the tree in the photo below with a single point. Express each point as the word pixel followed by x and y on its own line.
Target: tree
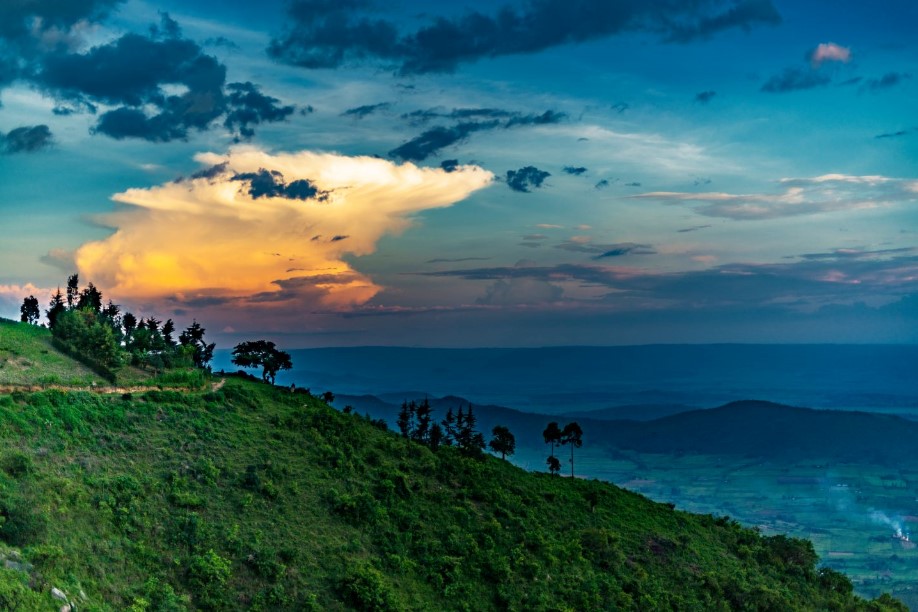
pixel 328 397
pixel 468 440
pixel 201 352
pixel 55 308
pixel 406 418
pixel 73 290
pixel 168 330
pixel 261 353
pixel 573 435
pixel 449 428
pixel 129 323
pixel 554 465
pixel 90 299
pixel 421 431
pixel 503 441
pixel 552 435
pixel 29 311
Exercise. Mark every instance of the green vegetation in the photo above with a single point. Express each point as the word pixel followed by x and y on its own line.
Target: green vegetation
pixel 28 358
pixel 253 497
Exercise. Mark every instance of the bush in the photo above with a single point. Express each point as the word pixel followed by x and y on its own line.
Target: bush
pixel 208 574
pixel 365 588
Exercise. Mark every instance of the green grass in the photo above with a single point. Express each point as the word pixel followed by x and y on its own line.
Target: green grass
pixel 28 358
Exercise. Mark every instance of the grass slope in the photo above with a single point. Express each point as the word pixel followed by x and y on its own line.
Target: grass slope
pixel 27 358
pixel 251 497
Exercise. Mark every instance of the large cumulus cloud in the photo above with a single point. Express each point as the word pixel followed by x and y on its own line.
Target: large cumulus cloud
pixel 222 236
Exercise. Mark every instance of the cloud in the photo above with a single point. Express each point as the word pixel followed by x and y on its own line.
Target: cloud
pixel 157 87
pixel 26 139
pixel 433 140
pixel 800 196
pixel 449 165
pixel 11 297
pixel 602 184
pixel 456 260
pixel 620 107
pixel 271 184
pixel 896 134
pixel 694 228
pixel 795 79
pixel 525 179
pixel 321 34
pixel 703 97
pixel 520 291
pixel 359 112
pixel 574 170
pixel 231 240
pixel 582 244
pixel 247 106
pixel 828 52
pixel 890 79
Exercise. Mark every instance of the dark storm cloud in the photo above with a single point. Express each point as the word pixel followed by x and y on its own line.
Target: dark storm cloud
pixel 574 170
pixel 271 184
pixel 434 139
pixel 323 34
pixel 526 179
pixel 26 139
pixel 449 165
pixel 212 172
pixel 19 16
pixel 360 112
pixel 890 79
pixel 247 106
pixel 703 97
pixel 161 84
pixel 795 79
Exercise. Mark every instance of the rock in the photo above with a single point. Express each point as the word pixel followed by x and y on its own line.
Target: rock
pixel 66 608
pixel 56 593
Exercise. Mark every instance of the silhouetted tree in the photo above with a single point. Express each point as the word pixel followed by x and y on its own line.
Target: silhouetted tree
pixel 263 353
pixel 55 308
pixel 29 311
pixel 406 418
pixel 328 397
pixel 201 352
pixel 552 435
pixel 168 330
pixel 503 441
pixel 436 437
pixel 421 431
pixel 129 323
pixel 554 465
pixel 90 299
pixel 468 440
pixel 449 428
pixel 573 435
pixel 73 290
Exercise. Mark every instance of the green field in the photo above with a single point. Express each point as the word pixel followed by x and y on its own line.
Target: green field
pixel 840 508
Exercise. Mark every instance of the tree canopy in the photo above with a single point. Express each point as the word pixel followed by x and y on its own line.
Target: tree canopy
pixel 263 354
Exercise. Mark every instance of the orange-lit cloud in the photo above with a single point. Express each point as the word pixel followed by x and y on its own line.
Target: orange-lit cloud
pixel 221 236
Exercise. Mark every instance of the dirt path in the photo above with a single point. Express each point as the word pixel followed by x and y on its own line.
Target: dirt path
pixel 102 389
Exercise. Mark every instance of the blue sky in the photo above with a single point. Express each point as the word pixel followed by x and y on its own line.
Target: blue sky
pixel 478 174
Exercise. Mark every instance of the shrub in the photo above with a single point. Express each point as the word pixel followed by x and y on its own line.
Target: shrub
pixel 365 588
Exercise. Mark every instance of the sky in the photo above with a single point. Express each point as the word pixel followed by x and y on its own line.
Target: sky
pixel 511 173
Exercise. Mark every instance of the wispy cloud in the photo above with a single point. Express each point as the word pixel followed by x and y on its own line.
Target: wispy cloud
pixel 800 196
pixel 829 52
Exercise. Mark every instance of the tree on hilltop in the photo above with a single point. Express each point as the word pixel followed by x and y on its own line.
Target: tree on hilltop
pixel 29 311
pixel 262 353
pixel 201 352
pixel 552 436
pixel 573 435
pixel 503 442
pixel 554 465
pixel 55 308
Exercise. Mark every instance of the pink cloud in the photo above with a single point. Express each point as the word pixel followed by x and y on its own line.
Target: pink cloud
pixel 829 52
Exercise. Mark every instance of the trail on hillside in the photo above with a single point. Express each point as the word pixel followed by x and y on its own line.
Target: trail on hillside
pixel 101 389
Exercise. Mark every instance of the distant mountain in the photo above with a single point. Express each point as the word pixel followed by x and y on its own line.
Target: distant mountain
pixel 765 429
pixel 745 428
pixel 631 412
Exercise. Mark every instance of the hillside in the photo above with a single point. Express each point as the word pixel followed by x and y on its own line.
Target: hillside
pixel 255 498
pixel 28 359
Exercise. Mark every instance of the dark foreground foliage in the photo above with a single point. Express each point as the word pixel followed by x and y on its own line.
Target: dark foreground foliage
pixel 256 498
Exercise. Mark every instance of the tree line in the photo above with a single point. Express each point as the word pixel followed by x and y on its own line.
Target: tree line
pixel 458 429
pixel 106 338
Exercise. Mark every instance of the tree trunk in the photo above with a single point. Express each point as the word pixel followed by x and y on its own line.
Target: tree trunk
pixel 572 460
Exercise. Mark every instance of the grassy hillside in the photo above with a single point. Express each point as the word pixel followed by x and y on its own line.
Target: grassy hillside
pixel 255 498
pixel 28 358
pixel 250 497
